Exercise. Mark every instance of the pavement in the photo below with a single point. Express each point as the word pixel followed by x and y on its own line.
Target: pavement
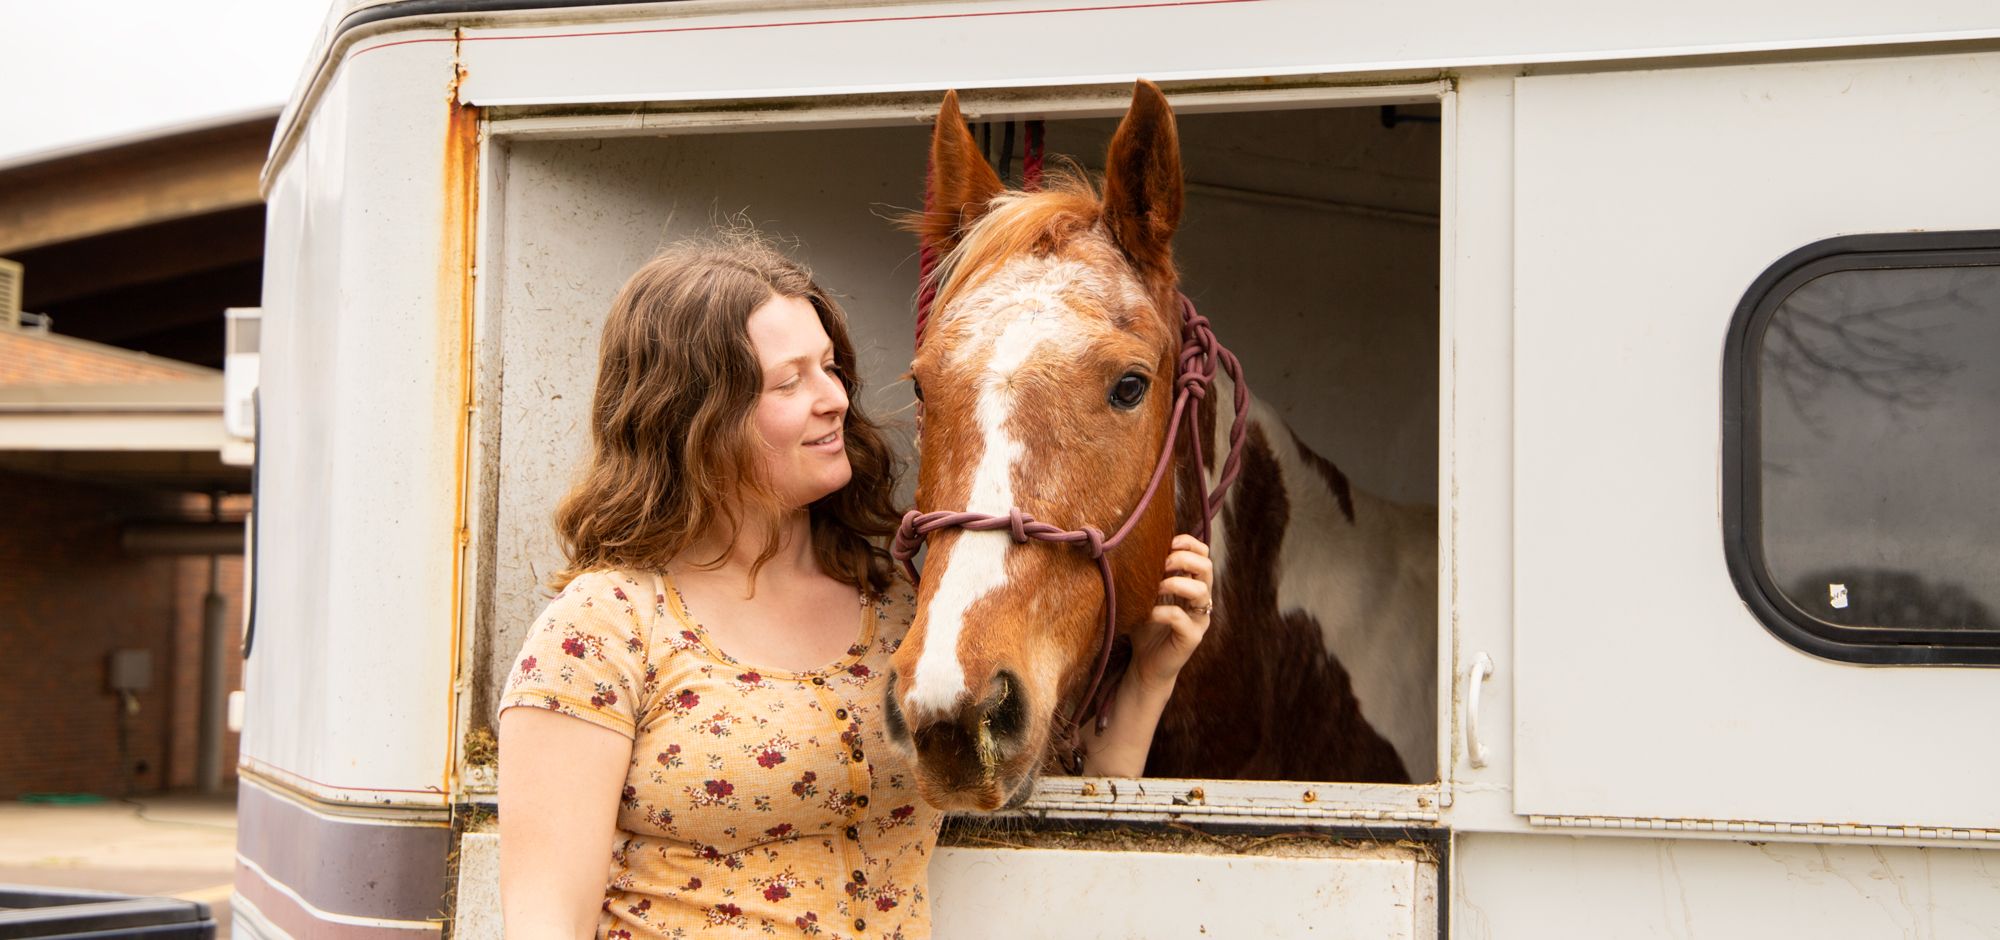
pixel 178 844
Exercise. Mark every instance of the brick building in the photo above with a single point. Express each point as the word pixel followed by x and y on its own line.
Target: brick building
pixel 118 514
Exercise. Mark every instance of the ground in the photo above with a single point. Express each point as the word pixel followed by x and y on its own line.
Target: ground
pixel 182 845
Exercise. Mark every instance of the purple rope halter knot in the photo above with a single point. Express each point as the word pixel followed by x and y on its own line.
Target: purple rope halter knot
pixel 1200 358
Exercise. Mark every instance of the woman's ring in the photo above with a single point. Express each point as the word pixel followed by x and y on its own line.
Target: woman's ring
pixel 1204 609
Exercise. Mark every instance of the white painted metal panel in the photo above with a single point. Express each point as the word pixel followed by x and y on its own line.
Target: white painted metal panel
pixel 1478 313
pixel 350 679
pixel 1010 893
pixel 1377 892
pixel 701 51
pixel 1645 203
pixel 1513 887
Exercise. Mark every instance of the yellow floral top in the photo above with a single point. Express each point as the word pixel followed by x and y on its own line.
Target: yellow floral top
pixel 759 800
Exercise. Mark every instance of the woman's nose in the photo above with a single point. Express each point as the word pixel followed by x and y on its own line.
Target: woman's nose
pixel 833 397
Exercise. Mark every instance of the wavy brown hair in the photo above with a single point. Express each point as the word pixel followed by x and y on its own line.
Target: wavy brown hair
pixel 674 440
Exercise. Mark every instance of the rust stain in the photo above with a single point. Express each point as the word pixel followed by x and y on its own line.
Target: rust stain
pixel 1179 839
pixel 456 264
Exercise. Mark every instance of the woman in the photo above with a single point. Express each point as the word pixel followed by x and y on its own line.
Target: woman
pixel 703 697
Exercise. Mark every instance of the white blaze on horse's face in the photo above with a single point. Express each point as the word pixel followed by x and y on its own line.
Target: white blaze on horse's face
pixel 1016 318
pixel 1046 303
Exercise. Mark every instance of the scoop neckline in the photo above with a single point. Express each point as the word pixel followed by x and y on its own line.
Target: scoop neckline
pixel 677 606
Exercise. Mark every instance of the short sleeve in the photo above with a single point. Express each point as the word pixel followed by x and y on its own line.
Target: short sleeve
pixel 586 654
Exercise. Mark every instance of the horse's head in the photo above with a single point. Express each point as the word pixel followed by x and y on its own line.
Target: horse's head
pixel 1047 376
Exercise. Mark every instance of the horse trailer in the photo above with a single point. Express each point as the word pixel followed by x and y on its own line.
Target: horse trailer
pixel 1678 329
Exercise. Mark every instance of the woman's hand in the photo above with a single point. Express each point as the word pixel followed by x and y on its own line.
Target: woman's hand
pixel 1159 649
pixel 1162 646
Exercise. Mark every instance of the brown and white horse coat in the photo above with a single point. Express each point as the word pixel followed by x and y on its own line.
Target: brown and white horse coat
pixel 1320 662
pixel 1052 308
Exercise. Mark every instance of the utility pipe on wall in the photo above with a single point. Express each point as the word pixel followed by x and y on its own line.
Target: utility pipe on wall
pixel 183 538
pixel 214 668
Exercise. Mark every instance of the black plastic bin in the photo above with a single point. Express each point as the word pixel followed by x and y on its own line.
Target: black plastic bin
pixel 31 911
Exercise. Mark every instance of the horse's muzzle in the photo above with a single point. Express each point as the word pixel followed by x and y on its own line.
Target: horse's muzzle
pixel 976 758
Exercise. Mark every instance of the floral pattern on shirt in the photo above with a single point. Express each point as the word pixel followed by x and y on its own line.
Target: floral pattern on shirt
pixel 758 801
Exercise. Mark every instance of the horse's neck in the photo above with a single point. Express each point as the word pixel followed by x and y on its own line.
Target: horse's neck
pixel 1323 511
pixel 1361 567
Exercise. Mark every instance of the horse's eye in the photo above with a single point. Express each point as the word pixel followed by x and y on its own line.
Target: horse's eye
pixel 918 388
pixel 1130 390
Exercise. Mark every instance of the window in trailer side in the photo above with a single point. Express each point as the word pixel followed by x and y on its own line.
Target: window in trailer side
pixel 1866 526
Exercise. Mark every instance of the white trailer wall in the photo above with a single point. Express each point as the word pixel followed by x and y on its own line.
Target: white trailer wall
pixel 1558 887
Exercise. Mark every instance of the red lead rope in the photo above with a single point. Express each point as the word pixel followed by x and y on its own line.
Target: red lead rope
pixel 1031 158
pixel 1200 358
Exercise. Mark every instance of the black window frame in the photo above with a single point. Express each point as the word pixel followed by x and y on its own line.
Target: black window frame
pixel 1742 452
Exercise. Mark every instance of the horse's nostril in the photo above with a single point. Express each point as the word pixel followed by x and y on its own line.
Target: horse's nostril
pixel 1002 717
pixel 892 712
pixel 1005 711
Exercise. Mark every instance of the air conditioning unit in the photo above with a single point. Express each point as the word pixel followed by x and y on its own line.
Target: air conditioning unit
pixel 10 294
pixel 239 384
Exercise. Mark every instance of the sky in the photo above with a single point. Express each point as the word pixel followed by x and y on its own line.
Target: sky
pixel 77 71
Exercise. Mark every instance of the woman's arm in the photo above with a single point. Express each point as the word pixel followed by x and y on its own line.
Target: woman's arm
pixel 560 780
pixel 1159 650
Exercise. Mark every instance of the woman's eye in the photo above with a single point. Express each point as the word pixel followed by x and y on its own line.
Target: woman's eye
pixel 1129 391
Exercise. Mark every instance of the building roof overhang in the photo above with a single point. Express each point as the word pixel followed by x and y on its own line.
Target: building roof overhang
pixel 59 393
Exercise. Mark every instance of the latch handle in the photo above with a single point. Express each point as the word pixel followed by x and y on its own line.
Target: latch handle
pixel 1475 680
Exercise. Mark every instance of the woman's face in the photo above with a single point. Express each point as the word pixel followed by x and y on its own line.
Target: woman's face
pixel 803 405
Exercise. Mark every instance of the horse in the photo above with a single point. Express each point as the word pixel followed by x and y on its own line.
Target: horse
pixel 1045 377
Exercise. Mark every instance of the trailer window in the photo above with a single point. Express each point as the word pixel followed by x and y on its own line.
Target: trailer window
pixel 1863 406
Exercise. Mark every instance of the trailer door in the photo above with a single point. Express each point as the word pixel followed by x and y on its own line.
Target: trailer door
pixel 1656 687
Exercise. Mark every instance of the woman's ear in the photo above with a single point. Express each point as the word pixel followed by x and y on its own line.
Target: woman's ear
pixel 961 181
pixel 1142 182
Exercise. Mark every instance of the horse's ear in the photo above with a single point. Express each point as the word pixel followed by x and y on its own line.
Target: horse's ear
pixel 1142 182
pixel 961 181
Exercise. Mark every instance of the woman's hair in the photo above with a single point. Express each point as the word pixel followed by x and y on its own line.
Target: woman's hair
pixel 674 441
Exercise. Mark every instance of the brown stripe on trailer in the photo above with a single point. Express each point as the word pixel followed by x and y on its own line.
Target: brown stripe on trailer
pixel 317 859
pixel 265 911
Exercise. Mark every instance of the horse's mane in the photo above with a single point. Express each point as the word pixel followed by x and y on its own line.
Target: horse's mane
pixel 1015 224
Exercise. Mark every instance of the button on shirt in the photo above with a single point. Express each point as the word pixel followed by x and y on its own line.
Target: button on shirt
pixel 758 801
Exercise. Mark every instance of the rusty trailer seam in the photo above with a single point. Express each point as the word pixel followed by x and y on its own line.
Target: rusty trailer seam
pixel 456 289
pixel 1190 810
